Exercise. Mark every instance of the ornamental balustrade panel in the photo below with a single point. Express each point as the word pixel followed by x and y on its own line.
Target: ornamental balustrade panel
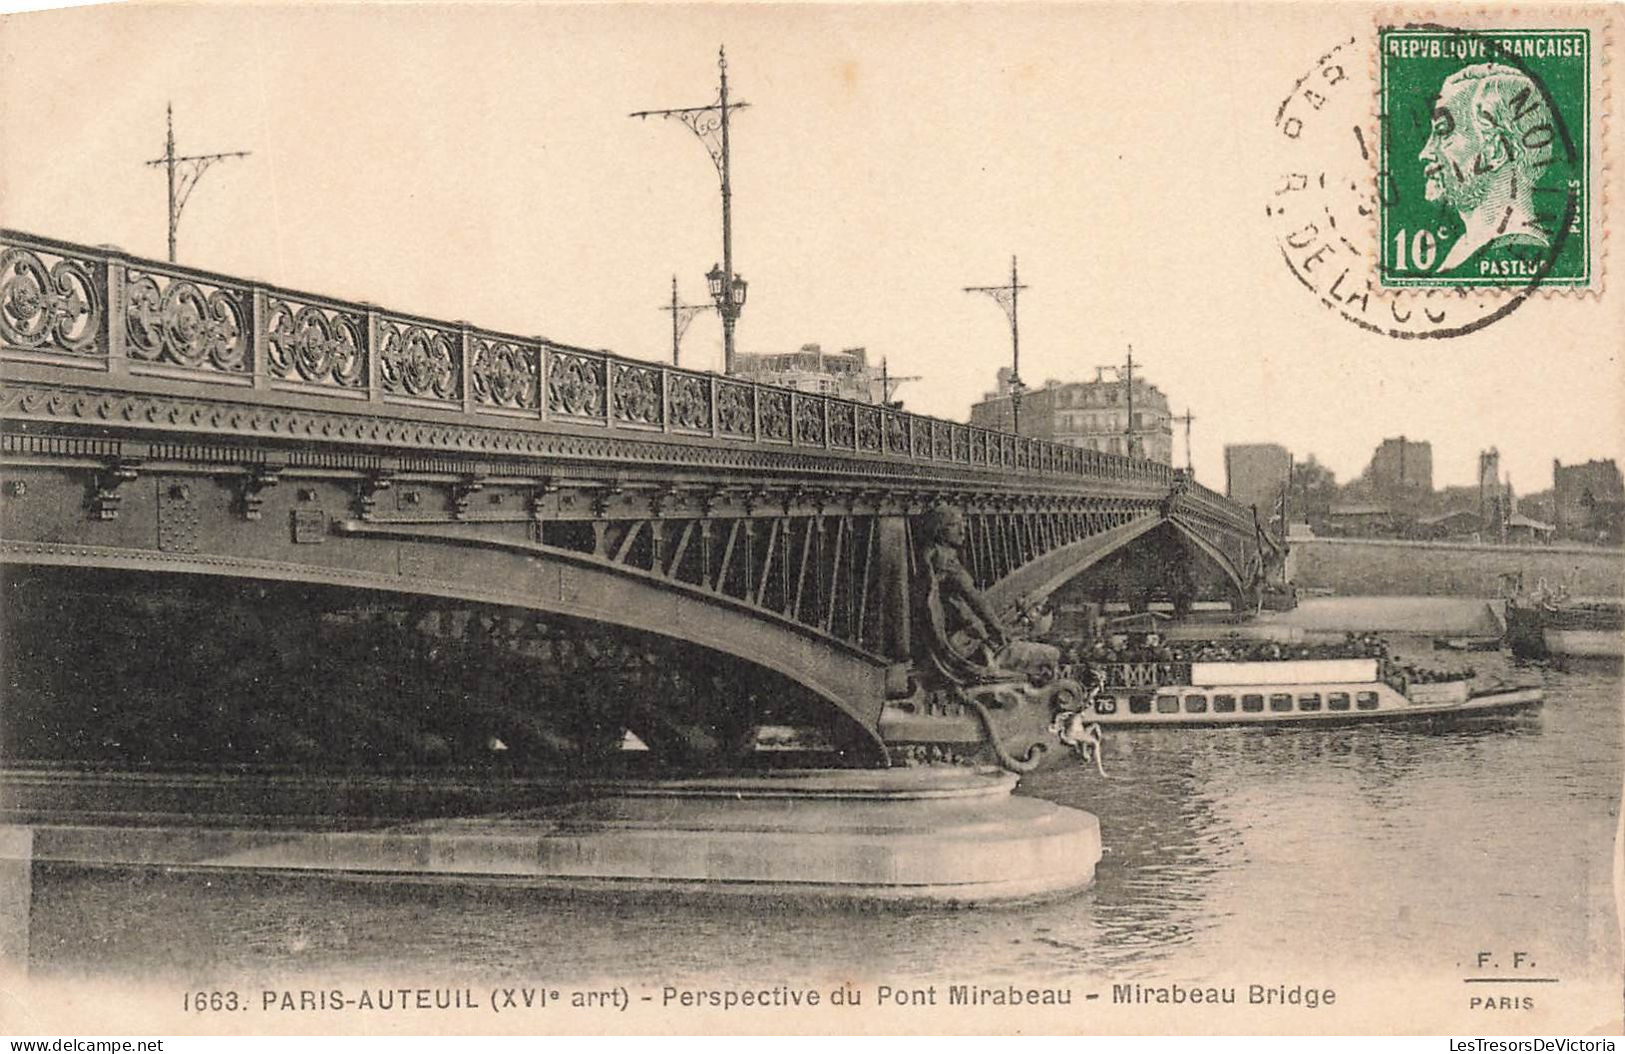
pixel 688 402
pixel 639 401
pixel 866 428
pixel 505 375
pixel 576 384
pixel 809 417
pixel 319 344
pixel 419 362
pixel 843 426
pixel 736 409
pixel 53 304
pixel 176 321
pixel 773 414
pixel 895 427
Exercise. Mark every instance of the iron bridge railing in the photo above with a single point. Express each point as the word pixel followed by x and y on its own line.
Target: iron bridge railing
pixel 107 314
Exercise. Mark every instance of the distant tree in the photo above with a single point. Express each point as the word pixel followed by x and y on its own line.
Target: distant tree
pixel 1313 489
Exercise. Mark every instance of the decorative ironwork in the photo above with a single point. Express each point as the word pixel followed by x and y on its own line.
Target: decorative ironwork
pixel 841 425
pixel 867 428
pixel 575 385
pixel 59 306
pixel 809 421
pixel 688 402
pixel 734 415
pixel 419 361
pixel 317 345
pixel 775 412
pixel 504 374
pixel 896 430
pixel 173 321
pixel 637 394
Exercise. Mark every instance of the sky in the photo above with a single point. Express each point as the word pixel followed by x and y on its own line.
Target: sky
pixel 477 162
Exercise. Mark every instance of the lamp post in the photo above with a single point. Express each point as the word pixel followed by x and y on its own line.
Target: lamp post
pixel 710 125
pixel 190 169
pixel 681 315
pixel 1131 438
pixel 1006 297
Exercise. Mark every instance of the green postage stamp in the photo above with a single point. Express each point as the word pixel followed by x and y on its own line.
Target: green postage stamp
pixel 1487 157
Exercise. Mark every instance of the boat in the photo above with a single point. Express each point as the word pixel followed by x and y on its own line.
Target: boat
pixel 1542 625
pixel 1284 692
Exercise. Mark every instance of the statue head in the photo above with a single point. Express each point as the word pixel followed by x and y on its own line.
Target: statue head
pixel 1493 132
pixel 944 525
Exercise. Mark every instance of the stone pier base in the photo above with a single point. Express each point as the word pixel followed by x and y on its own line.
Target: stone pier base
pixel 930 835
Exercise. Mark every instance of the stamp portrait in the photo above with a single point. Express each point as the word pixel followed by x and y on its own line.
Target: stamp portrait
pixel 1486 166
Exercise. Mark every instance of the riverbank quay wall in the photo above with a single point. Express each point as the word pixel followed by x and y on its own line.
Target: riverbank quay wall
pixel 1381 567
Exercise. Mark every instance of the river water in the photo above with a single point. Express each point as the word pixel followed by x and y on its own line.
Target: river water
pixel 1343 855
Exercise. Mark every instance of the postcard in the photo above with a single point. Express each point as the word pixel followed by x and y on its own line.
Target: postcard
pixel 1096 518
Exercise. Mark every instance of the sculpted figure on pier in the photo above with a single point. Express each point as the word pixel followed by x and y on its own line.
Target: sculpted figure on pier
pixel 966 638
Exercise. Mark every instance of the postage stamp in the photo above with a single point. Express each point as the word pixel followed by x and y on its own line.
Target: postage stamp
pixel 1486 161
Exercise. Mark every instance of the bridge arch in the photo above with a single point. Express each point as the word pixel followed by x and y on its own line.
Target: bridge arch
pixel 546 581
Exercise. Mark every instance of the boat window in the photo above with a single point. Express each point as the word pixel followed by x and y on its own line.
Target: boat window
pixel 1366 700
pixel 1139 704
pixel 1280 702
pixel 1167 704
pixel 1337 701
pixel 1224 704
pixel 1252 703
pixel 1196 704
pixel 1310 701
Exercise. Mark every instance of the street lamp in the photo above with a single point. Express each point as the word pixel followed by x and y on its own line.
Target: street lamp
pixel 729 296
pixel 710 125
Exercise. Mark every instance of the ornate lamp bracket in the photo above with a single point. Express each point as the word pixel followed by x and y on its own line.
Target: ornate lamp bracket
pixel 105 501
pixel 367 491
pixel 259 478
pixel 462 494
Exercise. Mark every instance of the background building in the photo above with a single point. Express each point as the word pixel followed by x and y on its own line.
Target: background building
pixel 1588 501
pixel 1089 414
pixel 1258 474
pixel 845 373
pixel 1400 477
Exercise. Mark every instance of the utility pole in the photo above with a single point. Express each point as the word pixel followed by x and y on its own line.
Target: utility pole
pixel 1187 418
pixel 1007 297
pixel 681 316
pixel 181 188
pixel 710 125
pixel 1128 385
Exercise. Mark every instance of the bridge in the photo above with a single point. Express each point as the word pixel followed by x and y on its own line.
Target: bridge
pixel 162 424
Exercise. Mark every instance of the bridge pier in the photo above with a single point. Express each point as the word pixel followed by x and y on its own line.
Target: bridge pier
pixel 926 835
